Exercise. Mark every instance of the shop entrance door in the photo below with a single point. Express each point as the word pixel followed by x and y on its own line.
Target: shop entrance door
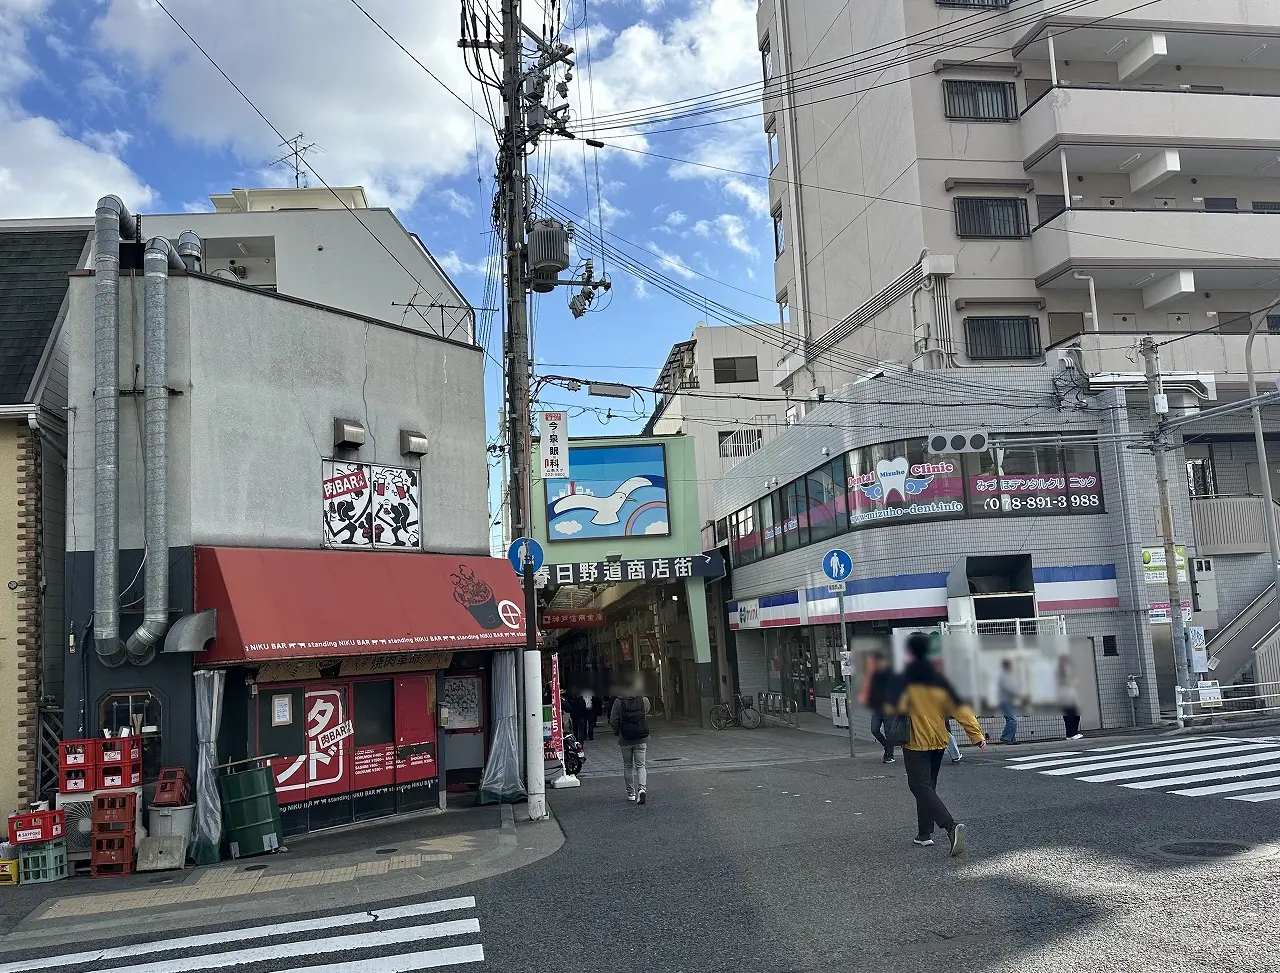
pixel 417 769
pixel 313 766
pixel 798 672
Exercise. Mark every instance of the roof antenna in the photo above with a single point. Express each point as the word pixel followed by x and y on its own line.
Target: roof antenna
pixel 295 158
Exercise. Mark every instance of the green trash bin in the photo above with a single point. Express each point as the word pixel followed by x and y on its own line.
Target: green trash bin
pixel 251 815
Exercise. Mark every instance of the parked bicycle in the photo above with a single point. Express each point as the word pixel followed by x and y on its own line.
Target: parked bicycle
pixel 741 713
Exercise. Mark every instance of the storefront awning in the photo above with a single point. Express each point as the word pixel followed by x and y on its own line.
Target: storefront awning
pixel 284 604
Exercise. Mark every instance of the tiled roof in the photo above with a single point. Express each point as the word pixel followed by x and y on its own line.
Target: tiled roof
pixel 33 282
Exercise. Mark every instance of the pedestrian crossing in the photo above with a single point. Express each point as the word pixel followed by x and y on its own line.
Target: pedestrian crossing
pixel 375 941
pixel 1232 768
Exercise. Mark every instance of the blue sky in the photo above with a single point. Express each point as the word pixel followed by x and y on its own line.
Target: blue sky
pixel 104 96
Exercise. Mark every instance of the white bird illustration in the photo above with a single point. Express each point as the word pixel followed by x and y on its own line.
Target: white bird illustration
pixel 605 508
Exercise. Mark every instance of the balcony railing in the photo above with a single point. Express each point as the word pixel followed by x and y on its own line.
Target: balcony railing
pixel 1230 525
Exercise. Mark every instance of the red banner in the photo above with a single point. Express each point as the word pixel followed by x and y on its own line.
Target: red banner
pixel 571 619
pixel 552 722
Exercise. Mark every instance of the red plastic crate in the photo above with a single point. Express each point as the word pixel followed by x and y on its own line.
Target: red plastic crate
pixel 174 788
pixel 115 809
pixel 127 774
pixel 77 754
pixel 26 828
pixel 77 780
pixel 111 855
pixel 118 750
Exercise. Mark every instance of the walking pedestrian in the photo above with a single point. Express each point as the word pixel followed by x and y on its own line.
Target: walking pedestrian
pixel 577 707
pixel 592 699
pixel 928 700
pixel 881 688
pixel 1069 698
pixel 1008 689
pixel 628 720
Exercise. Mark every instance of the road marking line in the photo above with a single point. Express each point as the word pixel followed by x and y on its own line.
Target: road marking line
pixel 1158 759
pixel 1093 756
pixel 241 935
pixel 1153 743
pixel 1045 756
pixel 404 963
pixel 1256 798
pixel 1133 774
pixel 1143 785
pixel 1238 785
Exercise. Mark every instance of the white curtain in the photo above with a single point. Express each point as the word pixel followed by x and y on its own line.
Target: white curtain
pixel 501 780
pixel 206 842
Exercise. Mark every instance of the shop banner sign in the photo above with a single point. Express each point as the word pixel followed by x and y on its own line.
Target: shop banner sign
pixel 339 733
pixel 1154 567
pixel 552 727
pixel 1159 612
pixel 882 489
pixel 571 619
pixel 554 445
pixel 371 506
pixel 637 569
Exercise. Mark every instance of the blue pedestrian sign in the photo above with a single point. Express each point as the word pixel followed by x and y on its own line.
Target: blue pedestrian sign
pixel 837 565
pixel 521 547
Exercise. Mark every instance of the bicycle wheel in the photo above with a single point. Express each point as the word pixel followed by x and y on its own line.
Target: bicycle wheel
pixel 720 716
pixel 749 717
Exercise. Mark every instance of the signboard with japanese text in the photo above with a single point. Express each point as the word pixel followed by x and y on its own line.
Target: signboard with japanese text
pixel 552 724
pixel 1154 569
pixel 571 619
pixel 554 445
pixel 371 506
pixel 636 569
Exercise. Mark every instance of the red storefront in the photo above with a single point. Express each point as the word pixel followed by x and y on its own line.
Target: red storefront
pixel 337 662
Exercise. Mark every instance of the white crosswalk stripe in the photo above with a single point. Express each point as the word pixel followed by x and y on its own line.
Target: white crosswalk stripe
pixel 1233 768
pixel 280 944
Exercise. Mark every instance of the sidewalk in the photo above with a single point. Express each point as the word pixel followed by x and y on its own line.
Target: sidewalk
pixel 377 861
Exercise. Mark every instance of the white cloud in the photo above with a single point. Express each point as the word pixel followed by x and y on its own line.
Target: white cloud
pixel 753 194
pixel 108 143
pixel 671 261
pixel 676 218
pixel 382 121
pixel 455 265
pixel 457 202
pixel 567 527
pixel 640 290
pixel 197 206
pixel 657 527
pixel 43 170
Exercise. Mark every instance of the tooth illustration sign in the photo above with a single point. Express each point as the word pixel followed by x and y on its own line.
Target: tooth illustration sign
pixel 892 475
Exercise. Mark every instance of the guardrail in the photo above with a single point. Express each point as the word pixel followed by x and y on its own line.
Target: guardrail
pixel 1203 704
pixel 776 707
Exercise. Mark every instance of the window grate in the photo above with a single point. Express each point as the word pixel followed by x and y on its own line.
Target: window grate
pixel 991 218
pixel 1003 338
pixel 1262 206
pixel 980 101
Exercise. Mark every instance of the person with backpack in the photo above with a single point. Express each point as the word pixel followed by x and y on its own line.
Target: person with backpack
pixel 927 701
pixel 628 721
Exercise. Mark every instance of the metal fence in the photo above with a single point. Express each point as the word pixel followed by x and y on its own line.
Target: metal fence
pixel 1207 704
pixel 776 707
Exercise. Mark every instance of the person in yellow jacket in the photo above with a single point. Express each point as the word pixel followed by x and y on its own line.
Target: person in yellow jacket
pixel 929 699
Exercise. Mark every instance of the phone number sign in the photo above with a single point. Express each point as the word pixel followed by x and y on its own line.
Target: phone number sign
pixel 1036 494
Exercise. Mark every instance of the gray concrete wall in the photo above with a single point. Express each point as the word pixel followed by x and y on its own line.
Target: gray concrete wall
pixel 262 379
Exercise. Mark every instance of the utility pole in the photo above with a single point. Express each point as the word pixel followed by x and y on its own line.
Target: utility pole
pixel 1160 408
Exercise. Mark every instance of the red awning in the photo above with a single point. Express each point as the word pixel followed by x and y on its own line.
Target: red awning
pixel 282 604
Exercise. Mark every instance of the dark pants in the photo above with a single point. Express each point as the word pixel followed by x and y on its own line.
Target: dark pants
pixel 1071 717
pixel 922 777
pixel 580 727
pixel 877 731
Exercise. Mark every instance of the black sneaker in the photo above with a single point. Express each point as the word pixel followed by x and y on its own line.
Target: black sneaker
pixel 956 834
pixel 923 841
pixel 889 760
pixel 642 796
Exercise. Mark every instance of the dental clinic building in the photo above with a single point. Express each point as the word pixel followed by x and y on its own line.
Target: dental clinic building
pixel 1036 525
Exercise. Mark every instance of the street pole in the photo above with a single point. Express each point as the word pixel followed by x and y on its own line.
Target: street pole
pixel 1264 471
pixel 511 187
pixel 1160 408
pixel 848 679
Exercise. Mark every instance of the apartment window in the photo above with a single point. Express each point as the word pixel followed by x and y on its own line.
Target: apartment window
pixel 730 370
pixel 1109 646
pixel 766 61
pixel 795 515
pixel 784 312
pixel 1220 204
pixel 1037 88
pixel 779 238
pixel 1234 322
pixel 1273 324
pixel 991 218
pixel 1261 206
pixel 1047 207
pixel 1002 338
pixel 1200 479
pixel 980 101
pixel 772 136
pixel 1064 325
pixel 737 443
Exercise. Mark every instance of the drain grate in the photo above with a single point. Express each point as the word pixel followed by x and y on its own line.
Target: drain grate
pixel 254 868
pixel 664 760
pixel 1206 850
pixel 386 851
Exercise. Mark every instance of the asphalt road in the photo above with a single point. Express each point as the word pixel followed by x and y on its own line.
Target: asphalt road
pixel 806 864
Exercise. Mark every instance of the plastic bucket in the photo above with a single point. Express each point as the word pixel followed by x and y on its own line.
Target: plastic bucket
pixel 251 816
pixel 163 822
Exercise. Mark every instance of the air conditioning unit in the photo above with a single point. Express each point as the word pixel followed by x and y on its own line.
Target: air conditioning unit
pixel 79 811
